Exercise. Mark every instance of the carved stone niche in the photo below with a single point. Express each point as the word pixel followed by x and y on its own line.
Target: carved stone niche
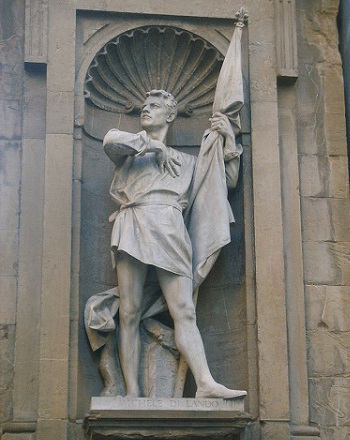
pixel 120 74
pixel 147 58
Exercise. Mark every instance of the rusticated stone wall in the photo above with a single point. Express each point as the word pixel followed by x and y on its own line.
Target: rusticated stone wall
pixel 325 213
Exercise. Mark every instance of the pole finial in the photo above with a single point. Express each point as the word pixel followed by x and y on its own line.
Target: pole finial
pixel 241 16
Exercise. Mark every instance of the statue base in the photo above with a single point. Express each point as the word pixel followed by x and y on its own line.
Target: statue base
pixel 121 418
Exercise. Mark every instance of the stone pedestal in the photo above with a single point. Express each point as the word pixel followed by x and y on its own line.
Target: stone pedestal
pixel 118 418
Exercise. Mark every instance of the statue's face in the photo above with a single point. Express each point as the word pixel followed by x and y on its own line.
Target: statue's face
pixel 155 114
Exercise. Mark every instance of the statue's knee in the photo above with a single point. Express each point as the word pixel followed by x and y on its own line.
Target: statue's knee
pixel 129 316
pixel 186 313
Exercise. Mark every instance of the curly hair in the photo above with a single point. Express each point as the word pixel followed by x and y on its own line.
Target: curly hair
pixel 169 99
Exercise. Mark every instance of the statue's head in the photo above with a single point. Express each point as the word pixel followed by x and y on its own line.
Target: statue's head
pixel 159 110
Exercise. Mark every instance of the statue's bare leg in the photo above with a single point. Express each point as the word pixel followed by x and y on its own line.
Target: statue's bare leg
pixel 178 294
pixel 131 275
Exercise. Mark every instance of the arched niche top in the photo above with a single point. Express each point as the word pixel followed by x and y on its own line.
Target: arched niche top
pixel 154 57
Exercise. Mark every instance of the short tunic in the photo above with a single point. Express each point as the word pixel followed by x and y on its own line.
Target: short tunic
pixel 149 225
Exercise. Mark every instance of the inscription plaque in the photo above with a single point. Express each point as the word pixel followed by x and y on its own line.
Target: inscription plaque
pixel 181 404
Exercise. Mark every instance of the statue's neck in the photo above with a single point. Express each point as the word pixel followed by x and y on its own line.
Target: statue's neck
pixel 158 135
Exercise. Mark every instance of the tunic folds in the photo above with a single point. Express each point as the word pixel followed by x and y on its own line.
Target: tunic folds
pixel 155 235
pixel 149 225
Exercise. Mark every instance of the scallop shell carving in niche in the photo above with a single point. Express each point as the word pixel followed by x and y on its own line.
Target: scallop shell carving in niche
pixel 154 58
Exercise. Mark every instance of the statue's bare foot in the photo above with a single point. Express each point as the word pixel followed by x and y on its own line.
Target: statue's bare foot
pixel 219 392
pixel 110 391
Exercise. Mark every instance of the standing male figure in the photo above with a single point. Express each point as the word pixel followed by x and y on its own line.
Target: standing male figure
pixel 151 186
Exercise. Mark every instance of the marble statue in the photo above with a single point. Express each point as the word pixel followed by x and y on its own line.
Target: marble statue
pixel 163 222
pixel 152 185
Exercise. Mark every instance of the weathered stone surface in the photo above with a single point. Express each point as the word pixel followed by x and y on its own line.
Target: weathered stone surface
pixel 304 437
pixel 10 118
pixel 6 403
pixel 323 177
pixel 11 51
pixel 10 177
pixel 269 263
pixel 53 379
pixel 325 213
pixel 8 260
pixel 7 335
pixel 328 353
pixel 11 102
pixel 340 216
pixel 335 433
pixel 330 401
pixel 61 75
pixel 262 50
pixel 325 219
pixel 75 430
pixel 317 222
pixel 60 113
pixel 55 304
pixel 8 286
pixel 275 430
pixel 338 177
pixel 341 255
pixel 319 264
pixel 48 428
pixel 327 263
pixel 7 342
pixel 334 109
pixel 314 176
pixel 220 302
pixel 18 436
pixel 34 110
pixel 310 115
pixel 315 297
pixel 320 92
pixel 328 307
pixel 29 277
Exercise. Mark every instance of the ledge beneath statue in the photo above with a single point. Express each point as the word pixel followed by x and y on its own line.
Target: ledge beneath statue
pixel 120 418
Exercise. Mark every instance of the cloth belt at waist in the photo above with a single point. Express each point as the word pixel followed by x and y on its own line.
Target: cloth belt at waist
pixel 113 216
